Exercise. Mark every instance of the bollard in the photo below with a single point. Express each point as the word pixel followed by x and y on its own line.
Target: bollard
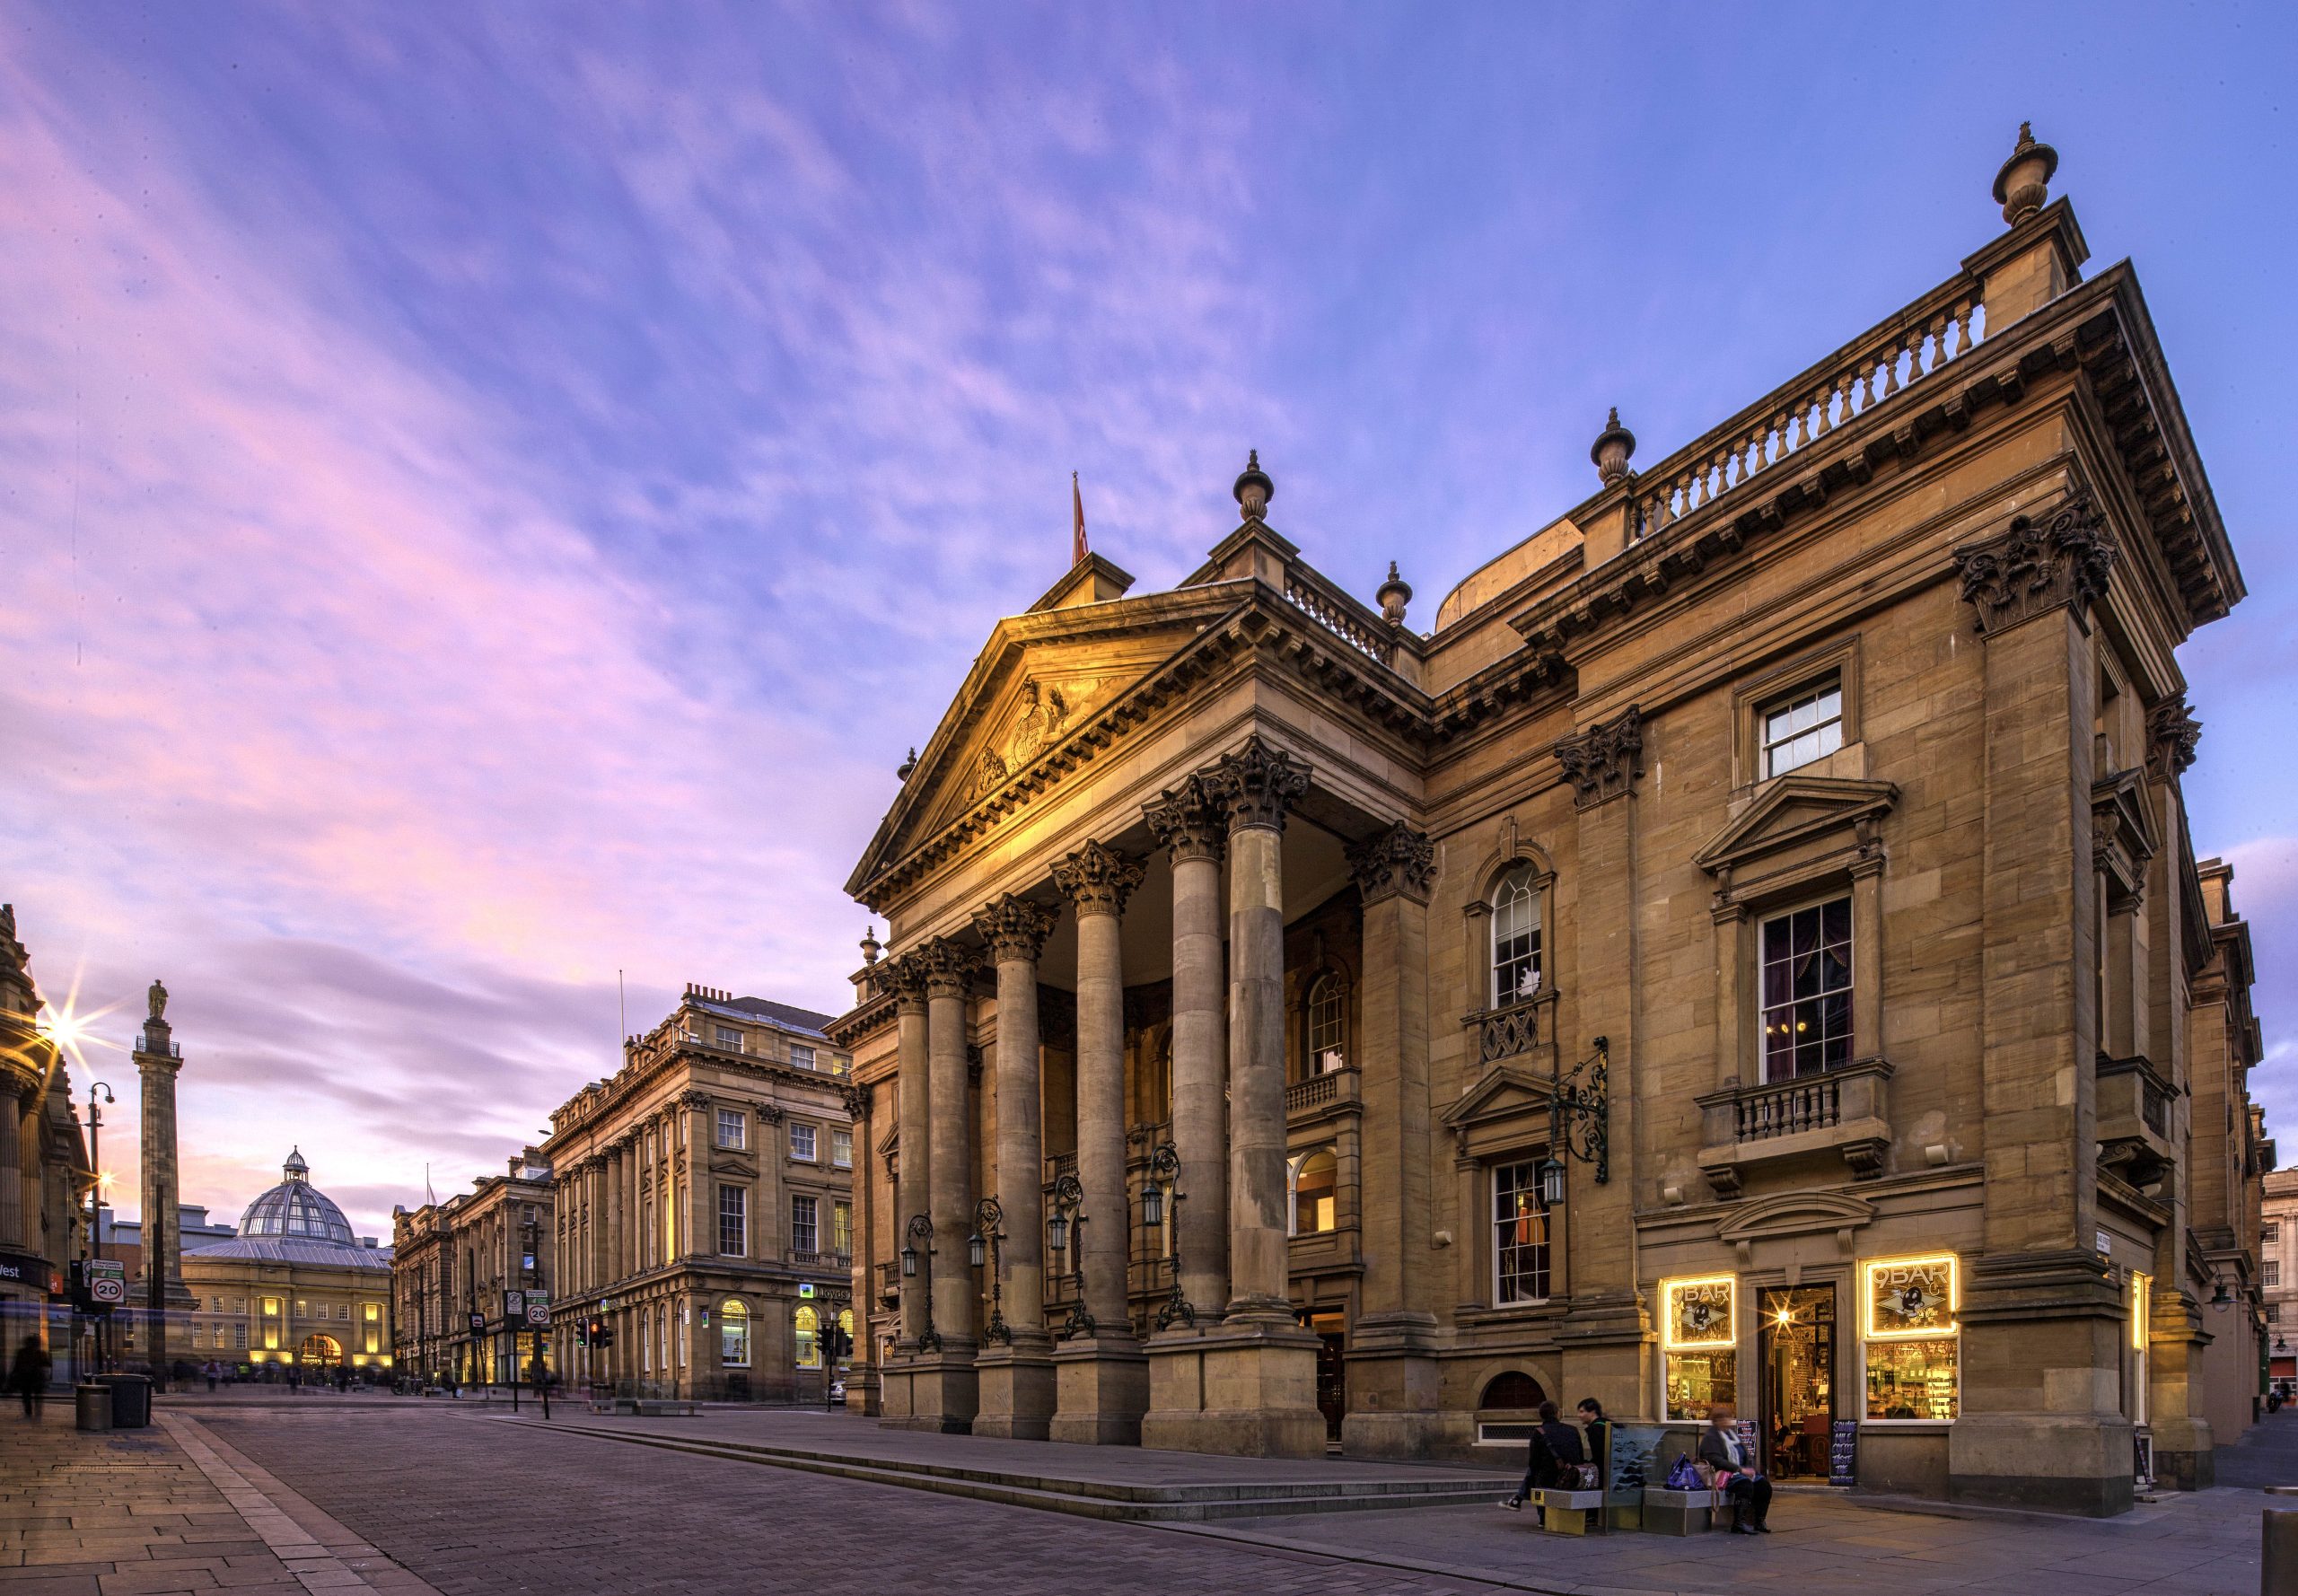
pixel 2279 1559
pixel 92 1405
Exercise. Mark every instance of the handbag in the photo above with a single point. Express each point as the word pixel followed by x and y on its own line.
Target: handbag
pixel 1683 1475
pixel 1584 1477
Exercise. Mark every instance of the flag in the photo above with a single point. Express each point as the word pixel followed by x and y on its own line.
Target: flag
pixel 1078 516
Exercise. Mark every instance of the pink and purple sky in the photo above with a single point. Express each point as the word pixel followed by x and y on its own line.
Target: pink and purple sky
pixel 488 494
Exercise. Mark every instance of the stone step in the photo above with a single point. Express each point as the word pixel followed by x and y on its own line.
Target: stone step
pixel 1100 1499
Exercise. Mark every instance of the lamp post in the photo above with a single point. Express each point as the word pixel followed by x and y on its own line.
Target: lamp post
pixel 1065 1231
pixel 989 1242
pixel 95 1204
pixel 1579 1120
pixel 921 1229
pixel 1165 1176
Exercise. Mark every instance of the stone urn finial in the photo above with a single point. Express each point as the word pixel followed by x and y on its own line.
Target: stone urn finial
pixel 1613 446
pixel 871 946
pixel 1395 594
pixel 902 771
pixel 2024 182
pixel 1254 489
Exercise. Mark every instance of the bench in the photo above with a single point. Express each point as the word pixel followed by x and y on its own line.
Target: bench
pixel 1563 1512
pixel 1680 1512
pixel 651 1408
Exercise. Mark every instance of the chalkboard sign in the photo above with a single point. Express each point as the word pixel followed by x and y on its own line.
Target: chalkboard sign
pixel 1843 1452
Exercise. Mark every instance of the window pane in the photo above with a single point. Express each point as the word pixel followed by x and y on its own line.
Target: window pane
pixel 1695 1379
pixel 1520 1234
pixel 1806 985
pixel 1912 1379
pixel 1314 1191
pixel 1802 729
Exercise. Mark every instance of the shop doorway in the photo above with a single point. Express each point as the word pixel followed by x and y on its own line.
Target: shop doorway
pixel 1332 1371
pixel 1797 1345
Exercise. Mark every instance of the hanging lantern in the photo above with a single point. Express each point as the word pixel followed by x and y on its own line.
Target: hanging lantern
pixel 1057 1231
pixel 1152 1205
pixel 976 1249
pixel 909 1263
pixel 1552 1181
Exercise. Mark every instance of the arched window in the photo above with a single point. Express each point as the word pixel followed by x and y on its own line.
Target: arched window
pixel 1512 1389
pixel 809 1332
pixel 1515 938
pixel 1315 1191
pixel 1328 1025
pixel 734 1334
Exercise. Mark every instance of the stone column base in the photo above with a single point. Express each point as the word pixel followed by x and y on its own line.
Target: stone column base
pixel 1101 1385
pixel 935 1390
pixel 2080 1463
pixel 1392 1387
pixel 1017 1389
pixel 862 1392
pixel 1242 1388
pixel 2183 1460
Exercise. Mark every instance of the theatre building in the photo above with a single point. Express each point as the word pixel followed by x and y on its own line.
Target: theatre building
pixel 1748 948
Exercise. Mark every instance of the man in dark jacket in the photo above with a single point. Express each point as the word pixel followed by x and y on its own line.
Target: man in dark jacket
pixel 28 1375
pixel 1555 1447
pixel 1749 1492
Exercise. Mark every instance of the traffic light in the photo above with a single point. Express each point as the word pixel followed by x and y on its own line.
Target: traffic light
pixel 582 1332
pixel 601 1336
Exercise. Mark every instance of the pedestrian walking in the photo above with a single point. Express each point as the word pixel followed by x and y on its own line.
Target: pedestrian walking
pixel 1731 1472
pixel 213 1371
pixel 28 1375
pixel 295 1380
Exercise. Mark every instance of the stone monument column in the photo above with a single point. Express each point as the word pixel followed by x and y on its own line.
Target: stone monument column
pixel 1015 1363
pixel 1103 1378
pixel 1193 829
pixel 1248 1385
pixel 157 1060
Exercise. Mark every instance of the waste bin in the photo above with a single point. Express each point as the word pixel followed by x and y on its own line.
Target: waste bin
pixel 131 1400
pixel 92 1403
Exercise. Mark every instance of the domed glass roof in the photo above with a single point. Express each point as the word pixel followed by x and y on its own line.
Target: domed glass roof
pixel 296 1209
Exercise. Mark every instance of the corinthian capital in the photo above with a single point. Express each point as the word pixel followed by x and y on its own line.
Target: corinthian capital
pixel 1016 928
pixel 1098 880
pixel 907 974
pixel 1257 785
pixel 1603 761
pixel 1397 860
pixel 1189 821
pixel 949 967
pixel 2171 733
pixel 2036 566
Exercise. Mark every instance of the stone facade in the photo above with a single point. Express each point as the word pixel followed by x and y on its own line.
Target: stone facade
pixel 453 1264
pixel 1748 948
pixel 2277 1286
pixel 45 1170
pixel 704 1208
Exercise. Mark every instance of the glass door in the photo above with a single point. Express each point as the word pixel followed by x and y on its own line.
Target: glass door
pixel 1797 1347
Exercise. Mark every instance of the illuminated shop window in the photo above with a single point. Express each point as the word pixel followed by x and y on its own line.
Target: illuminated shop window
pixel 809 1330
pixel 1699 1339
pixel 1909 1338
pixel 734 1334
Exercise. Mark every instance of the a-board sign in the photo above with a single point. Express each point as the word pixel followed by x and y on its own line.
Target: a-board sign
pixel 1843 1452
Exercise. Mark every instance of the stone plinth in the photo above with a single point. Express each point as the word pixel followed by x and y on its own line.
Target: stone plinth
pixel 1016 1389
pixel 1393 1388
pixel 936 1390
pixel 1242 1388
pixel 1103 1386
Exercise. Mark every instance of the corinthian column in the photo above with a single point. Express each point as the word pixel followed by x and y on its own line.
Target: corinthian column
pixel 948 967
pixel 1016 1369
pixel 1101 1377
pixel 1098 880
pixel 1257 785
pixel 914 1133
pixel 1193 829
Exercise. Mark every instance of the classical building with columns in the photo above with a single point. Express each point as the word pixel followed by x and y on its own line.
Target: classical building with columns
pixel 45 1170
pixel 454 1267
pixel 1747 948
pixel 702 1208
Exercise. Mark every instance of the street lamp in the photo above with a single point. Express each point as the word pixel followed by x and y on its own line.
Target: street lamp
pixel 1579 1119
pixel 95 1202
pixel 1164 1173
pixel 2220 1298
pixel 989 1242
pixel 1066 1231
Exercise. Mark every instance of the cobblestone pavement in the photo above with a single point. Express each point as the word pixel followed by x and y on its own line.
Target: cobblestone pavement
pixel 472 1505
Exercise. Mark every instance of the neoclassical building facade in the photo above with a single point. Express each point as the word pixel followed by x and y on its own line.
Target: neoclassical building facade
pixel 455 1266
pixel 703 1207
pixel 1747 948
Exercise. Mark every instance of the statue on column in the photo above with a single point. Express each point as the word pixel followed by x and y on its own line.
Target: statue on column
pixel 157 996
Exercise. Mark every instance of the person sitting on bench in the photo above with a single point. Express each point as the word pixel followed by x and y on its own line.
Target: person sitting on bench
pixel 1747 1492
pixel 1555 1458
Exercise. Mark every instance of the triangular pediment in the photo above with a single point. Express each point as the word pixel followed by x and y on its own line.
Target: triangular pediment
pixel 1501 1091
pixel 1793 812
pixel 1035 692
